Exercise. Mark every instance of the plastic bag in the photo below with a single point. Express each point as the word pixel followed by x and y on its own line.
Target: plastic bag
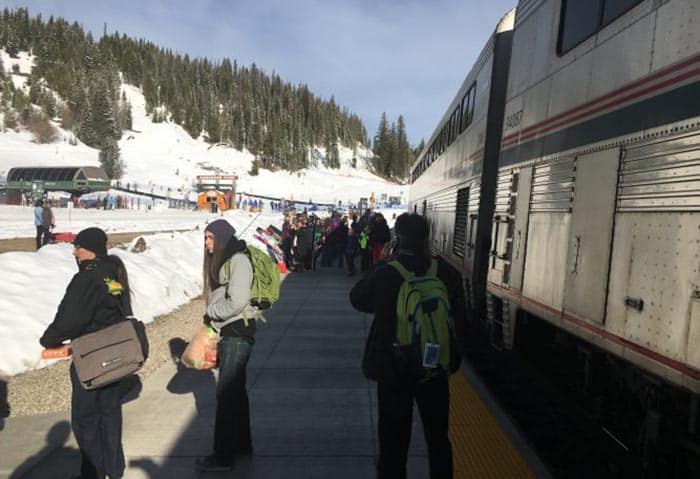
pixel 201 352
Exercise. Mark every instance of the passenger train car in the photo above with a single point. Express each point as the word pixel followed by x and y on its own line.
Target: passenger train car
pixel 570 196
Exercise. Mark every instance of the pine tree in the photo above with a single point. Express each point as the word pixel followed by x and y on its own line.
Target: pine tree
pixel 254 167
pixel 111 161
pixel 403 149
pixel 86 132
pixel 258 111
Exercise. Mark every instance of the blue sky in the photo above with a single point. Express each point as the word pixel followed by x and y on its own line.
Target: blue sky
pixel 402 56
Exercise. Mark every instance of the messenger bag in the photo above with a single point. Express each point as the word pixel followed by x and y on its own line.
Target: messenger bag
pixel 110 354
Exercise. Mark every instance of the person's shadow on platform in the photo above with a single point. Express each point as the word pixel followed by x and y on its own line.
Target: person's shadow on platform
pixel 4 405
pixel 38 465
pixel 201 384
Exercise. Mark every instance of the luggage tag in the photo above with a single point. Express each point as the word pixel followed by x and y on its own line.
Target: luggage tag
pixel 431 354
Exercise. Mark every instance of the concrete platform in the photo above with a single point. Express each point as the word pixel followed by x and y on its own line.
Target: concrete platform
pixel 313 413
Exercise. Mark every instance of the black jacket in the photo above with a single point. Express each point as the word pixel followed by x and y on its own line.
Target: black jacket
pixel 379 234
pixel 87 305
pixel 377 293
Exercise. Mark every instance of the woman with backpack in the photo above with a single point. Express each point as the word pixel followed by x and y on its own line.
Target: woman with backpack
pixel 228 275
pixel 97 297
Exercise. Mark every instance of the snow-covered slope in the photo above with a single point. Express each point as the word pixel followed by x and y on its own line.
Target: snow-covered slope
pixel 165 155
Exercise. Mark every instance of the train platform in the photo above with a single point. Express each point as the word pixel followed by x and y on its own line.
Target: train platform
pixel 313 413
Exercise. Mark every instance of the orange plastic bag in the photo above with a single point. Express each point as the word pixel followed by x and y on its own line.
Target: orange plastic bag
pixel 201 352
pixel 57 353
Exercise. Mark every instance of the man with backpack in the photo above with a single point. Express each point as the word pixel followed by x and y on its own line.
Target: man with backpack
pixel 414 343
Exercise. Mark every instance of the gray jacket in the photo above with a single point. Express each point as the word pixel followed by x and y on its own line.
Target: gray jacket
pixel 231 301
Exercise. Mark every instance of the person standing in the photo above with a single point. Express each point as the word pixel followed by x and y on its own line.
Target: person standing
pixel 228 275
pixel 353 246
pixel 39 223
pixel 98 296
pixel 398 385
pixel 47 221
pixel 379 236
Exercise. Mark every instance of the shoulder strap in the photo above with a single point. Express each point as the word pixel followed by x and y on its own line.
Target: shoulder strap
pixel 227 263
pixel 227 267
pixel 432 270
pixel 407 275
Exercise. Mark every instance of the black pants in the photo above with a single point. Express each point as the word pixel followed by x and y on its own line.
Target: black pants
pixel 396 418
pixel 232 426
pixel 350 259
pixel 96 418
pixel 365 259
pixel 42 236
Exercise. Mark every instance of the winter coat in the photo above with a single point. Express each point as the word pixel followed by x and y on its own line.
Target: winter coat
pixel 380 233
pixel 353 245
pixel 286 230
pixel 38 213
pixel 47 218
pixel 228 304
pixel 377 294
pixel 87 305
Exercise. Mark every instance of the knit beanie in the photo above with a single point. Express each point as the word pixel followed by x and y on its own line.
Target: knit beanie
pixel 222 231
pixel 93 239
pixel 412 231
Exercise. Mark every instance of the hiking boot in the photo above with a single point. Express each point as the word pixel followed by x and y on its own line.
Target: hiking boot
pixel 211 464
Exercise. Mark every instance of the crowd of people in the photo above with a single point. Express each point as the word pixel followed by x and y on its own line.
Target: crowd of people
pixel 388 262
pixel 338 240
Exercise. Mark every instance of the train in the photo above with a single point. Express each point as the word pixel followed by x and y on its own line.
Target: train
pixel 563 182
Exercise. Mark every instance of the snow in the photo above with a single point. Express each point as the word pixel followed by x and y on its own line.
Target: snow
pixel 158 157
pixel 165 276
pixel 24 62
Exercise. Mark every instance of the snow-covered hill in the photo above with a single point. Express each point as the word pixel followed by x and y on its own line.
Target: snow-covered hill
pixel 165 155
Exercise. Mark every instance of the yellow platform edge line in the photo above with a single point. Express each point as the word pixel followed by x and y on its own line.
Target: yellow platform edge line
pixel 481 449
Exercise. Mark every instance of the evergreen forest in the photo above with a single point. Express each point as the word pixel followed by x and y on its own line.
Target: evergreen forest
pixel 225 102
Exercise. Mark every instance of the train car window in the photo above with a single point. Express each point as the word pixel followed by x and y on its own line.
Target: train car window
pixel 614 8
pixel 465 111
pixel 455 122
pixel 579 20
pixel 472 99
pixel 448 125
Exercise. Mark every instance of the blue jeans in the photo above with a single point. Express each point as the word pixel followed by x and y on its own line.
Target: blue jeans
pixel 232 427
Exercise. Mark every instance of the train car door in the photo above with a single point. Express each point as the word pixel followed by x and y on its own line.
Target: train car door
pixel 522 211
pixel 590 237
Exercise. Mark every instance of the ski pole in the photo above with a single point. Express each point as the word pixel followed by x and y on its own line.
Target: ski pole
pixel 251 222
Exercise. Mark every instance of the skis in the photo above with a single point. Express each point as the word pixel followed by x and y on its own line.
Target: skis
pixel 276 232
pixel 274 251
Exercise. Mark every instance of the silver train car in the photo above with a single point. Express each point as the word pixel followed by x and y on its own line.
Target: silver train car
pixel 571 195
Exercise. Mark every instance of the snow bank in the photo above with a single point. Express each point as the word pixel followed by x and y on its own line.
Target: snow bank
pixel 165 276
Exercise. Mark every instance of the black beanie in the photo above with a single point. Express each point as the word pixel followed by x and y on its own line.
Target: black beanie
pixel 412 231
pixel 222 231
pixel 93 239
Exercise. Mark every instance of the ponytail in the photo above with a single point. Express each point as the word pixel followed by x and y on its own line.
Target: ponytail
pixel 122 276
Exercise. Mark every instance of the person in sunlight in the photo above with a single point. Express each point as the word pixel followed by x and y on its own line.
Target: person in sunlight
pixel 88 306
pixel 228 275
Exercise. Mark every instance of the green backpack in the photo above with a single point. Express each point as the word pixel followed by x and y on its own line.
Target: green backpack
pixel 424 317
pixel 265 290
